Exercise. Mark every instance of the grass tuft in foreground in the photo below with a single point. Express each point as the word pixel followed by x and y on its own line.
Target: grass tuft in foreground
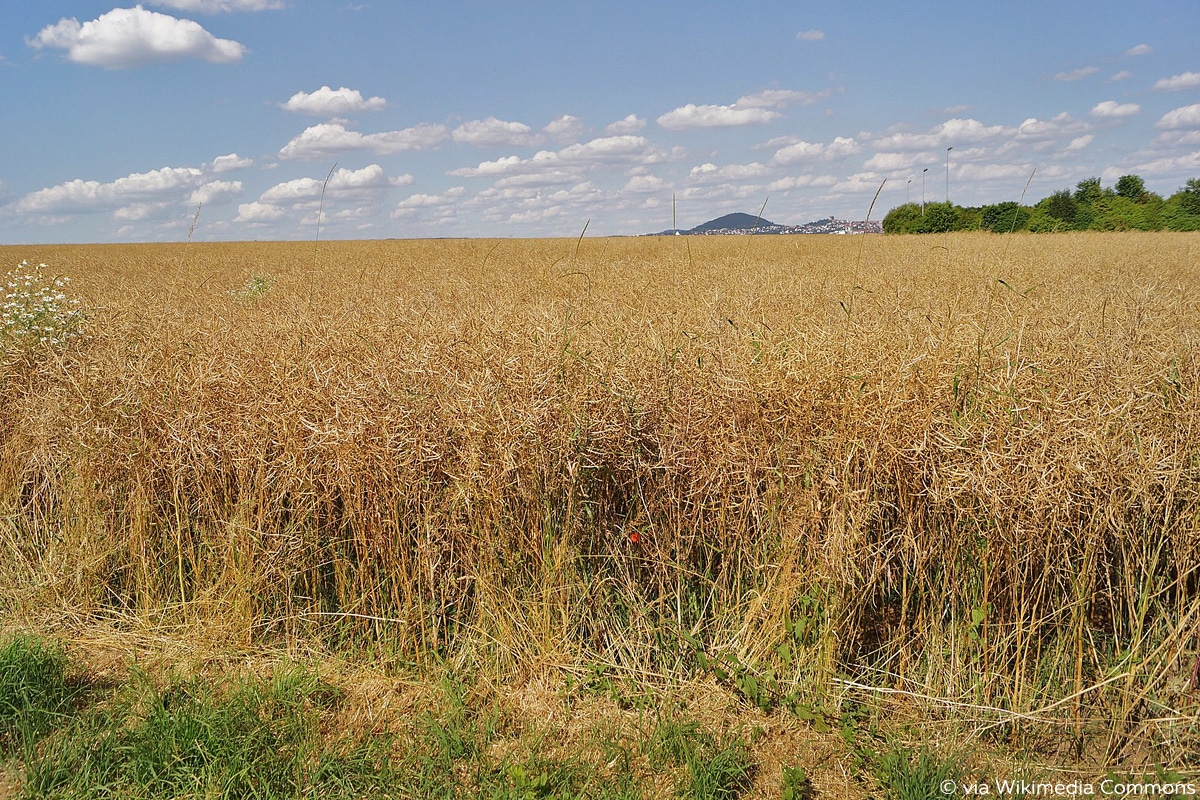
pixel 36 694
pixel 191 739
pixel 296 735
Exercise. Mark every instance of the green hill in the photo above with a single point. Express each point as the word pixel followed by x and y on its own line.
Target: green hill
pixel 738 221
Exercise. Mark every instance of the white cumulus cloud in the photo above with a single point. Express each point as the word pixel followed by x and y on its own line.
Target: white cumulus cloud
pixel 1139 50
pixel 609 149
pixel 1186 139
pixel 80 196
pixel 710 116
pixel 546 176
pixel 230 162
pixel 326 102
pixel 842 146
pixel 800 182
pixel 343 181
pixel 139 212
pixel 630 124
pixel 798 150
pixel 952 132
pixel 751 109
pixel 332 138
pixel 814 35
pixel 75 196
pixel 130 37
pixel 530 205
pixel 1080 143
pixel 564 129
pixel 890 162
pixel 435 206
pixel 1180 118
pixel 500 166
pixel 258 213
pixel 645 184
pixel 711 173
pixel 606 152
pixel 1041 129
pixel 1111 109
pixel 362 189
pixel 492 132
pixel 1184 165
pixel 1185 80
pixel 426 200
pixel 216 192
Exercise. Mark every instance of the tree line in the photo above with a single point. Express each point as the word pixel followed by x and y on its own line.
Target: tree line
pixel 1125 206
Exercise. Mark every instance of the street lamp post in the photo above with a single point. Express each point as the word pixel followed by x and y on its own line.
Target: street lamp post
pixel 948 149
pixel 923 190
pixel 908 192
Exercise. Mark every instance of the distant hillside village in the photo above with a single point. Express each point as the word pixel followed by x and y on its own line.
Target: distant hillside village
pixel 747 224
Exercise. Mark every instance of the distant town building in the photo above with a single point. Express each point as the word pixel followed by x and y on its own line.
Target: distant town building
pixel 747 225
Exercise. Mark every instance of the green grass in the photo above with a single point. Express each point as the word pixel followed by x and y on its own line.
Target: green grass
pixel 713 769
pixel 920 776
pixel 189 739
pixel 36 694
pixel 287 736
pixel 440 734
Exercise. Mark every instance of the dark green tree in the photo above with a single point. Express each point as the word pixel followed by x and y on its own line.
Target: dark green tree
pixel 1132 187
pixel 1189 197
pixel 1041 222
pixel 1181 212
pixel 1061 206
pixel 968 218
pixel 1084 219
pixel 1127 206
pixel 1004 217
pixel 903 219
pixel 1121 214
pixel 1088 191
pixel 939 218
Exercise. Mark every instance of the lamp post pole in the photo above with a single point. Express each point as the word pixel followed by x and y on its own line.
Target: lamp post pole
pixel 923 190
pixel 948 149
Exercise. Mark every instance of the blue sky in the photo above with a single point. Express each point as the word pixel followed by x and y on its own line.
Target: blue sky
pixel 532 118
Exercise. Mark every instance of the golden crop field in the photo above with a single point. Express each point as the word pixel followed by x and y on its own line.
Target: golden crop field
pixel 960 472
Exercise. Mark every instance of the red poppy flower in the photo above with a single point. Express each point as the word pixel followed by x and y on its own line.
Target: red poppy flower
pixel 635 537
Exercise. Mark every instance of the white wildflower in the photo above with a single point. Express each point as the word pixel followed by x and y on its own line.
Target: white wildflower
pixel 37 310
